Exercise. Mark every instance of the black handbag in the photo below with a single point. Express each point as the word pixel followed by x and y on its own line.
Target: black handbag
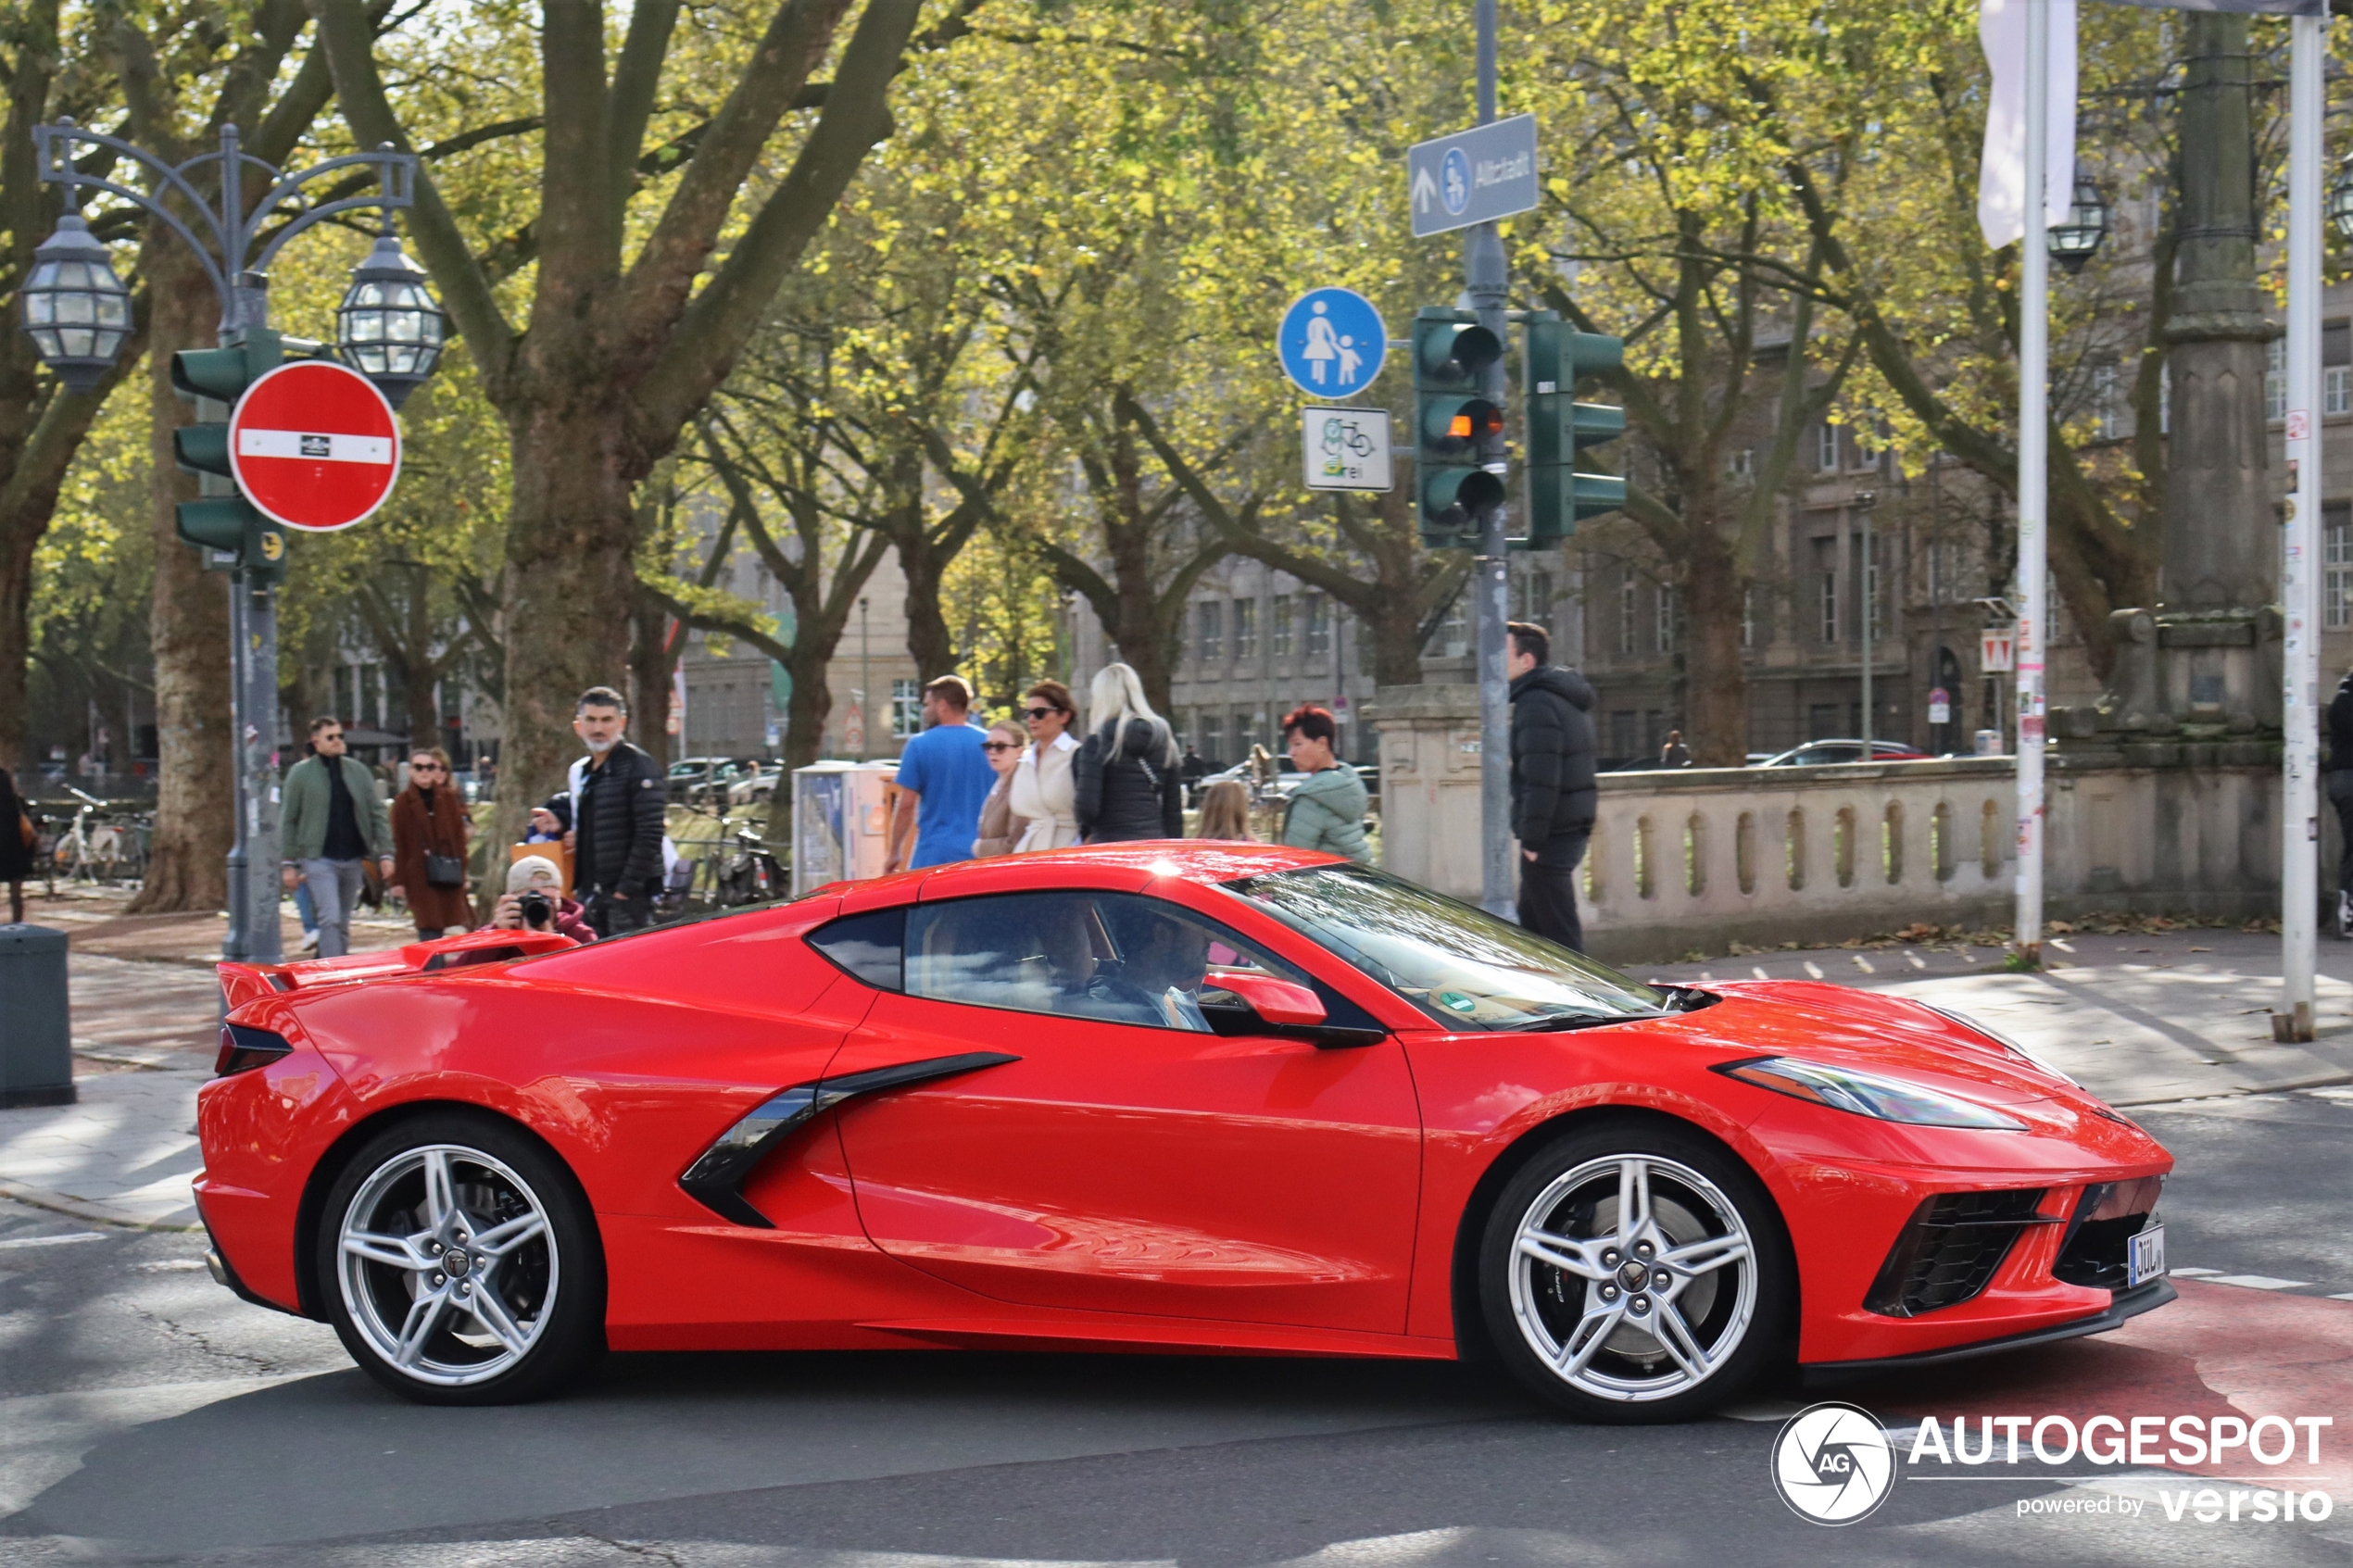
pixel 445 871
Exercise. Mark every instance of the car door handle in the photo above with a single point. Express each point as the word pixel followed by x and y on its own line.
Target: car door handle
pixel 716 1178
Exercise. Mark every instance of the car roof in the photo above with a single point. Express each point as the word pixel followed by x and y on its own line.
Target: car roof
pixel 1206 862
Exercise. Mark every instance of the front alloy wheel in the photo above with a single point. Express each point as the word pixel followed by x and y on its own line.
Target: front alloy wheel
pixel 1635 1273
pixel 459 1263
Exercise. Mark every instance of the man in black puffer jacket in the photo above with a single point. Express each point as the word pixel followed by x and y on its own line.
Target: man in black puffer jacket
pixel 617 799
pixel 1553 797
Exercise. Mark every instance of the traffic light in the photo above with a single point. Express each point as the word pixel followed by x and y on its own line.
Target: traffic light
pixel 1561 429
pixel 224 524
pixel 1458 428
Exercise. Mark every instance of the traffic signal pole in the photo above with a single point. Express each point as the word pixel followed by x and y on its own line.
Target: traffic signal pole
pixel 1487 280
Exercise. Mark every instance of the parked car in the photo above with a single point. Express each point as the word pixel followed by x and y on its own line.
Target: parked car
pixel 755 785
pixel 698 778
pixel 1819 753
pixel 1169 1097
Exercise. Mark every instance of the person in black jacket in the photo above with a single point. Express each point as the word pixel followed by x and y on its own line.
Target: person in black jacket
pixel 2339 780
pixel 1553 797
pixel 617 818
pixel 1125 779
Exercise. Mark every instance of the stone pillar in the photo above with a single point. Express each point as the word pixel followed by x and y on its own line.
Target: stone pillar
pixel 2201 668
pixel 1430 785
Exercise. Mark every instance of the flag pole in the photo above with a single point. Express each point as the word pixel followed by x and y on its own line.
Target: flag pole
pixel 2299 600
pixel 2034 454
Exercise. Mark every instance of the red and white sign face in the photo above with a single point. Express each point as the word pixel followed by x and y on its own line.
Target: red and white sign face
pixel 314 445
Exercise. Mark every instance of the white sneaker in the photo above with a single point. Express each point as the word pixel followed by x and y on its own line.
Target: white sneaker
pixel 309 942
pixel 2345 916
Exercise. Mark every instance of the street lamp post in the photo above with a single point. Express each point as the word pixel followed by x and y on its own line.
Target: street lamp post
pixel 76 312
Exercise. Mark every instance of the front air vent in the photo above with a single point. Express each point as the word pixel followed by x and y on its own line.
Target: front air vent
pixel 1949 1249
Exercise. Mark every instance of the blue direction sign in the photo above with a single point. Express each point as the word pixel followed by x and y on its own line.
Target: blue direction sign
pixel 1474 176
pixel 1332 342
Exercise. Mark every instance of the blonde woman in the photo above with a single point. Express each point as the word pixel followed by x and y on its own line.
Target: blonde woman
pixel 1000 826
pixel 1125 774
pixel 1225 811
pixel 1043 789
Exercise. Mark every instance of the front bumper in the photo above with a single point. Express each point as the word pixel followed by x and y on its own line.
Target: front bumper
pixel 2125 1304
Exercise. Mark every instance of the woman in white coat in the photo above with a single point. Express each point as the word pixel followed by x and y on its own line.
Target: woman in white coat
pixel 1042 787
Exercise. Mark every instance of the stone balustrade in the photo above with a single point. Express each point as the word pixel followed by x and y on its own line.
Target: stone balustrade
pixel 1693 857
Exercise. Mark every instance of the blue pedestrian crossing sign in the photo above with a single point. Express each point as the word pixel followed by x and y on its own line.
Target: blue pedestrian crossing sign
pixel 1332 342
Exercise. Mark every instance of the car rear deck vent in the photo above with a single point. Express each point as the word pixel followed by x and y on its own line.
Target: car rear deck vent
pixel 1949 1250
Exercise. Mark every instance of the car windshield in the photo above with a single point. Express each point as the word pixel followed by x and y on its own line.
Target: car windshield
pixel 1459 964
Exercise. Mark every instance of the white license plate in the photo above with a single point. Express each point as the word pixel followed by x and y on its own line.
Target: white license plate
pixel 2145 1259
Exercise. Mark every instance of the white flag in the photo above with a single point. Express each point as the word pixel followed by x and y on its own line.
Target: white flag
pixel 2001 183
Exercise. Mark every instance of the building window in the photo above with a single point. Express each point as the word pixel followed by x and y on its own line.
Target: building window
pixel 2336 558
pixel 2336 368
pixel 1826 580
pixel 1532 597
pixel 1870 586
pixel 1742 464
pixel 1212 739
pixel 2108 409
pixel 1663 619
pixel 1621 733
pixel 1246 731
pixel 1319 624
pixel 1748 616
pixel 1282 625
pixel 2275 379
pixel 1209 621
pixel 1453 632
pixel 1826 447
pixel 906 709
pixel 1245 628
pixel 1625 614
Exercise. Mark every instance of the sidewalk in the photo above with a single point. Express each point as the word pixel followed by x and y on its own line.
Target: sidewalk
pixel 146 1022
pixel 2139 1020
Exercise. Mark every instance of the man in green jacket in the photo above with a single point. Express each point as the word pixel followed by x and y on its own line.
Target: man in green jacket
pixel 334 819
pixel 1327 810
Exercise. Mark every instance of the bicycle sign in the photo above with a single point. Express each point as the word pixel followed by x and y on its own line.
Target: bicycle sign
pixel 1345 448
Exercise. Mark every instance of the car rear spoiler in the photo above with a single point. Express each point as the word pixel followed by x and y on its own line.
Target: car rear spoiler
pixel 241 983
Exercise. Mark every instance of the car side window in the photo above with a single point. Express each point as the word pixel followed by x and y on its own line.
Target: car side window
pixel 869 945
pixel 1120 958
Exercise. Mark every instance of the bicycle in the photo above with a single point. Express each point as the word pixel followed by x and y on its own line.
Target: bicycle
pixel 93 852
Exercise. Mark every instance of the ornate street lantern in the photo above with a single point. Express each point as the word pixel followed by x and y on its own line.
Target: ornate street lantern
pixel 2341 199
pixel 2073 242
pixel 388 325
pixel 75 308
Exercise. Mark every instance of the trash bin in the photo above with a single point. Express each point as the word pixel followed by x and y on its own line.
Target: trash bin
pixel 36 1047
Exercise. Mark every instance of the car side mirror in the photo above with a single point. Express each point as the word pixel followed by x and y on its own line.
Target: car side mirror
pixel 1274 1001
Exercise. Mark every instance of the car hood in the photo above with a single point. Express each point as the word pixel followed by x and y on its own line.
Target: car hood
pixel 1839 1026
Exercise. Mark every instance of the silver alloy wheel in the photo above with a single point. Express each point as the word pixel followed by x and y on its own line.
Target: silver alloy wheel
pixel 1633 1277
pixel 447 1264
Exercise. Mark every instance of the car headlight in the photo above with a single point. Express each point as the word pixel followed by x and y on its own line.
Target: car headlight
pixel 1975 1027
pixel 1867 1094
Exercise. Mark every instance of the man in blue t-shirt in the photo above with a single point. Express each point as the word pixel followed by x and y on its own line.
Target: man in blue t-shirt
pixel 944 777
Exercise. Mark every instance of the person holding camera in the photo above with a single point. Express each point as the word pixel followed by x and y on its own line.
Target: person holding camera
pixel 534 902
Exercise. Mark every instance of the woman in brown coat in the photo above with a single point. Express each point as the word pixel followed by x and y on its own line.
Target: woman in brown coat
pixel 429 818
pixel 999 829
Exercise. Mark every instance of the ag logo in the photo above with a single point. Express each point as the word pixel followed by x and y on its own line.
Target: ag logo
pixel 1833 1464
pixel 274 545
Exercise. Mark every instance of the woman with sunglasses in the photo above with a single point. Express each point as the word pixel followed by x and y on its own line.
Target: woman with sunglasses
pixel 999 829
pixel 1043 789
pixel 429 828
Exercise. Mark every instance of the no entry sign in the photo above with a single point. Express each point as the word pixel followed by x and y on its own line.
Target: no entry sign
pixel 314 445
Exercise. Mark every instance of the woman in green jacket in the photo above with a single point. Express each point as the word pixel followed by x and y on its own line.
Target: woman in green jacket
pixel 1327 810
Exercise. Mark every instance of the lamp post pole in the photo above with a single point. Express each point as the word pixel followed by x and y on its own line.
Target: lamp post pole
pixel 224 234
pixel 1486 280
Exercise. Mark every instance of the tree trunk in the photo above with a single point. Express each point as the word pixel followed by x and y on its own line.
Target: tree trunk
pixel 187 864
pixel 653 657
pixel 929 642
pixel 1715 679
pixel 811 704
pixel 571 534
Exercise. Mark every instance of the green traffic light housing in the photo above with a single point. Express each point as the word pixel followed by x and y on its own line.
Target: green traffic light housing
pixel 1458 426
pixel 1456 502
pixel 1451 349
pixel 224 524
pixel 1561 430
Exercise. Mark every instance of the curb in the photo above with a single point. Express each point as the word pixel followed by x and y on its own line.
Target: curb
pixel 82 1209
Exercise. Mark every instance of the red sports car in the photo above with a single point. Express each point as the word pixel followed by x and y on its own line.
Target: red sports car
pixel 1171 1096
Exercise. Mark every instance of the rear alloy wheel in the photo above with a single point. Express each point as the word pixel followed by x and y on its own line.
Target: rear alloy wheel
pixel 459 1263
pixel 1635 1273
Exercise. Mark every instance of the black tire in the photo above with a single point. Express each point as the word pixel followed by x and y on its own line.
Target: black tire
pixel 1586 1334
pixel 480 1306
